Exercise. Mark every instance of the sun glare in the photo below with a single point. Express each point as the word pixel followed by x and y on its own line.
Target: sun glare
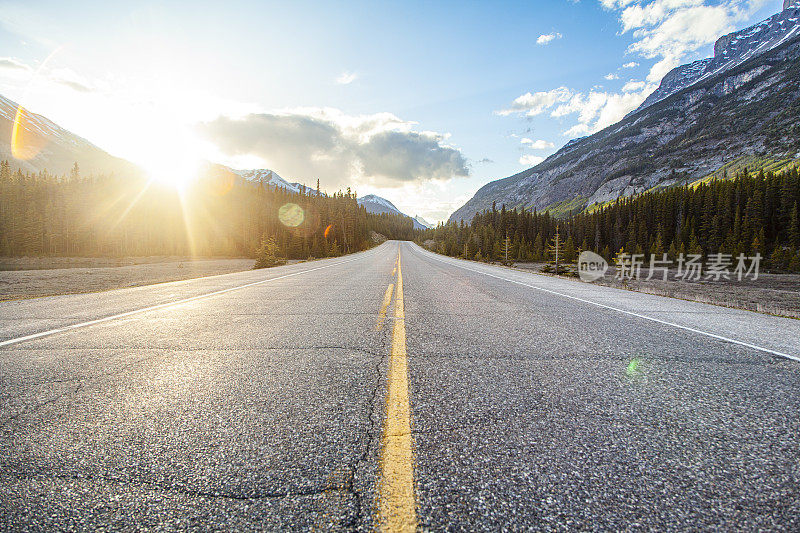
pixel 173 170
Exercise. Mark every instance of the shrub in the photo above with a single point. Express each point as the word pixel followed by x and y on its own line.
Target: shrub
pixel 267 254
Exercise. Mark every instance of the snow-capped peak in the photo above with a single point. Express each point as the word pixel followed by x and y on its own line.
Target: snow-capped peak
pixel 422 222
pixel 271 178
pixel 374 199
pixel 732 50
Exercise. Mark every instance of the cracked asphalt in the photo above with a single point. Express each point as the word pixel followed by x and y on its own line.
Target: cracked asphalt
pixel 532 405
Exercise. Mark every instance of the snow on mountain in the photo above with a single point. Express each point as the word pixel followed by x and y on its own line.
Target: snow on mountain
pixel 271 178
pixel 731 51
pixel 422 222
pixel 376 204
pixel 267 177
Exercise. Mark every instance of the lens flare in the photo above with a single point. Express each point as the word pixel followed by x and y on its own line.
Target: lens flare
pixel 25 144
pixel 633 367
pixel 328 230
pixel 291 215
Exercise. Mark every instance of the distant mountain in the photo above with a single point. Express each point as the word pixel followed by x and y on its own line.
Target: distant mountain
pixel 747 113
pixel 44 145
pixel 271 178
pixel 422 222
pixel 376 204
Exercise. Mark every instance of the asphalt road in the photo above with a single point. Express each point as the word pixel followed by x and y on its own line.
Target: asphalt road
pixel 273 400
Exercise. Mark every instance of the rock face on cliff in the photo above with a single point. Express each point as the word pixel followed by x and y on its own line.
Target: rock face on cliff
pixel 749 110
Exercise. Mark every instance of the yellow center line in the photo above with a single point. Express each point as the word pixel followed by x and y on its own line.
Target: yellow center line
pixel 387 298
pixel 397 509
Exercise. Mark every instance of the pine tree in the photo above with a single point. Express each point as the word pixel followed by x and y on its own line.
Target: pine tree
pixel 793 230
pixel 556 249
pixel 569 250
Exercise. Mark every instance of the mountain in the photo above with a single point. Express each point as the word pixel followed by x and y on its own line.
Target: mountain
pixel 731 51
pixel 744 114
pixel 422 222
pixel 376 204
pixel 44 145
pixel 268 177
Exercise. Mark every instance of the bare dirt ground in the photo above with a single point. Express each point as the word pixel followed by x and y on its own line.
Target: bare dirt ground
pixel 23 277
pixel 776 294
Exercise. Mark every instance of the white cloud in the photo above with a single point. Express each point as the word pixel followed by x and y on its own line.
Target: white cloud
pixel 633 85
pixel 547 38
pixel 346 78
pixel 305 144
pixel 671 30
pixel 533 104
pixel 71 79
pixel 594 110
pixel 666 31
pixel 61 76
pixel 538 144
pixel 578 130
pixel 13 64
pixel 530 160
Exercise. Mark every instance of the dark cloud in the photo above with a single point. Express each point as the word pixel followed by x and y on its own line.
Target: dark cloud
pixel 409 156
pixel 338 149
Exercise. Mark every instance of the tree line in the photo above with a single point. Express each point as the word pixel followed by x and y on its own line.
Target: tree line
pixel 749 213
pixel 221 214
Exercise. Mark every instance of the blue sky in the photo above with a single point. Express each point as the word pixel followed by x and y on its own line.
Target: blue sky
pixel 420 102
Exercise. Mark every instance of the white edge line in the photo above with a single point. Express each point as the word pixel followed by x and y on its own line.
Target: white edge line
pixel 456 262
pixel 160 306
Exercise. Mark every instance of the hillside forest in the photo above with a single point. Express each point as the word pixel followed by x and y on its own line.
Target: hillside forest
pixel 219 215
pixel 750 212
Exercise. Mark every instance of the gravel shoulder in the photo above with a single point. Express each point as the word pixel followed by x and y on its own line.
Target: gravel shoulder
pixel 35 277
pixel 775 294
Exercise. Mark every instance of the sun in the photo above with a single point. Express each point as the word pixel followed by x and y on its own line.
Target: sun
pixel 176 169
pixel 173 173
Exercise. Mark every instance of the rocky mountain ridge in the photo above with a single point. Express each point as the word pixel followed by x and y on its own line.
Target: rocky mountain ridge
pixel 732 50
pixel 271 178
pixel 749 112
